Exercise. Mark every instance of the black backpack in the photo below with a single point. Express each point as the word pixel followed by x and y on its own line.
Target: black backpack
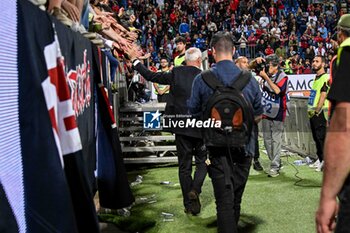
pixel 228 105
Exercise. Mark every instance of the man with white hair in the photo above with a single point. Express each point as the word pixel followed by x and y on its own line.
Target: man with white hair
pixel 188 141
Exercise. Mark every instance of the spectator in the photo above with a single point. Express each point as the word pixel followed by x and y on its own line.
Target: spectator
pixel 307 66
pixel 260 48
pixel 280 8
pixel 200 43
pixel 323 31
pixel 309 53
pixel 320 51
pixel 212 27
pixel 312 17
pixel 272 10
pixel 243 45
pixel 318 38
pixel 281 51
pixel 275 30
pixel 264 20
pixel 252 40
pixel 269 50
pixel 184 27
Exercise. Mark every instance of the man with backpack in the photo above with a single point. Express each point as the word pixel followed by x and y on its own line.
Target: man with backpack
pixel 217 94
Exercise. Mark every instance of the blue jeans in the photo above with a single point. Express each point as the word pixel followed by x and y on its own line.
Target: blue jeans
pixel 113 63
pixel 85 15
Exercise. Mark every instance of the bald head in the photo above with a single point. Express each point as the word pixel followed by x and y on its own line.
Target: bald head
pixel 242 63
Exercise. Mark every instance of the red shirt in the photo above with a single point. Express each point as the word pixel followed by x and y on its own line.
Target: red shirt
pixel 252 40
pixel 234 5
pixel 272 11
pixel 280 5
pixel 318 39
pixel 172 18
pixel 269 51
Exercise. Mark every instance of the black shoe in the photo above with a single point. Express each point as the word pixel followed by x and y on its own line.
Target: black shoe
pixel 257 166
pixel 280 167
pixel 195 203
pixel 187 211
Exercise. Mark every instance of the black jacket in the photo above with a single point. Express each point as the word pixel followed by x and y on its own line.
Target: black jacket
pixel 180 79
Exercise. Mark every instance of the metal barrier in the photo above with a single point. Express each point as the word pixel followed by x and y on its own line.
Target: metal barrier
pixel 297 135
pixel 248 52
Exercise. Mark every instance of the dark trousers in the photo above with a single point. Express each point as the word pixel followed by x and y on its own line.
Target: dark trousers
pixel 318 128
pixel 163 98
pixel 229 174
pixel 343 221
pixel 256 134
pixel 187 147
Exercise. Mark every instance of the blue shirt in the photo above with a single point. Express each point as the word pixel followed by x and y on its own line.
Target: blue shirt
pixel 183 28
pixel 227 72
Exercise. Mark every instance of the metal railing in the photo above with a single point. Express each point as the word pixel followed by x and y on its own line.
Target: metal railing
pixel 297 135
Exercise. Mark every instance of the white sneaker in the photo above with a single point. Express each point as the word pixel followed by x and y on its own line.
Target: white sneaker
pixel 320 167
pixel 315 164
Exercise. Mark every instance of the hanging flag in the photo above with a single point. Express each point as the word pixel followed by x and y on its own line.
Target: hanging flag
pixel 45 63
pixel 40 198
pixel 113 185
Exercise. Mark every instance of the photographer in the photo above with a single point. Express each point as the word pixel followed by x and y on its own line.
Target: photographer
pixel 275 88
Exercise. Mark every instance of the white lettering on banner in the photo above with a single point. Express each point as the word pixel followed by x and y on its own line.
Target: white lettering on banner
pixel 80 85
pixel 300 82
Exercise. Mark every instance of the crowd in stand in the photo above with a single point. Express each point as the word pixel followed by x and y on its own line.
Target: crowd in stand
pixel 293 29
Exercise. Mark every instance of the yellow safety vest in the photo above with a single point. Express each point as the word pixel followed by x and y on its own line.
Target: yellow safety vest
pixel 341 47
pixel 315 95
pixel 288 70
pixel 179 59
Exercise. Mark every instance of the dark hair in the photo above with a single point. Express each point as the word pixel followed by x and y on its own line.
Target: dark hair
pixel 164 58
pixel 223 42
pixel 323 59
pixel 180 39
pixel 273 58
pixel 345 31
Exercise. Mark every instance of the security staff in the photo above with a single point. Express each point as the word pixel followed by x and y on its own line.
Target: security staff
pixel 162 91
pixel 188 141
pixel 288 63
pixel 318 108
pixel 181 49
pixel 330 215
pixel 228 196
